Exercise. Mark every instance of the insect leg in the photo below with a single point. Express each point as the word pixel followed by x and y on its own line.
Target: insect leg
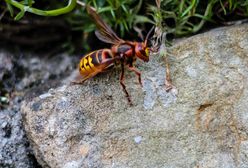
pixel 78 82
pixel 123 85
pixel 132 68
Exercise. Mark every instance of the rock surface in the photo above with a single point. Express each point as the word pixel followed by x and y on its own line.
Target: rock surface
pixel 23 75
pixel 14 150
pixel 205 125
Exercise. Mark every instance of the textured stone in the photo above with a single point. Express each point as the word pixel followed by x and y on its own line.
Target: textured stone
pixel 204 125
pixel 23 74
pixel 14 151
pixel 6 64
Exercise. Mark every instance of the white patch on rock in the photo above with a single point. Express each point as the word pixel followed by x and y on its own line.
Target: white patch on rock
pixel 73 164
pixel 138 139
pixel 45 95
pixel 62 88
pixel 191 72
pixel 150 96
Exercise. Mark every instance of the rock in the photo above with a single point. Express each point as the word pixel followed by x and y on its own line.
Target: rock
pixel 6 64
pixel 21 74
pixel 205 125
pixel 14 149
pixel 43 70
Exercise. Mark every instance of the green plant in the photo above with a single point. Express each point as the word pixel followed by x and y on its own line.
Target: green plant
pixel 179 17
pixel 122 15
pixel 26 6
pixel 182 17
pixel 118 13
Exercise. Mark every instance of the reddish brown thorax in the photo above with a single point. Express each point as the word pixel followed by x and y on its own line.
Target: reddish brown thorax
pixel 132 49
pixel 123 49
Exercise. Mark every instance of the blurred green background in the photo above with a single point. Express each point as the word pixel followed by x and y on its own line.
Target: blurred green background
pixel 65 25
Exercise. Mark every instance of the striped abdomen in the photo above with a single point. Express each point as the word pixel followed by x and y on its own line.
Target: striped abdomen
pixel 95 62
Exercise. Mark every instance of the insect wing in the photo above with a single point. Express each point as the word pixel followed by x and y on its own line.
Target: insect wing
pixel 104 33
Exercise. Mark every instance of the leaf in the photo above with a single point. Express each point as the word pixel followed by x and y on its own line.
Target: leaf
pixel 125 24
pixel 26 2
pixel 122 30
pixel 189 8
pixel 104 9
pixel 20 15
pixel 230 4
pixel 137 7
pixel 222 6
pixel 142 19
pixel 204 17
pixel 30 2
pixel 124 8
pixel 10 8
pixel 113 14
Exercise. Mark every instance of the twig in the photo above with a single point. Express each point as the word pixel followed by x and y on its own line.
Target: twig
pixel 84 5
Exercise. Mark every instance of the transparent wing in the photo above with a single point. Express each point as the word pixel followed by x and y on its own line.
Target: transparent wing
pixel 104 33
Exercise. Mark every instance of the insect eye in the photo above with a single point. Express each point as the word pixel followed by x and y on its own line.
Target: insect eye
pixel 147 51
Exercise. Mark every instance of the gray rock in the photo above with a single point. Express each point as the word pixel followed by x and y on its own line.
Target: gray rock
pixel 41 70
pixel 204 125
pixel 23 74
pixel 6 64
pixel 14 150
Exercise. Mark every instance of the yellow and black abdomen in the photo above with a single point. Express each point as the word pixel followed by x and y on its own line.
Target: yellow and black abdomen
pixel 96 62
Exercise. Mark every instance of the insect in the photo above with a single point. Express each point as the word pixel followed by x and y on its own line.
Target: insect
pixel 122 52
